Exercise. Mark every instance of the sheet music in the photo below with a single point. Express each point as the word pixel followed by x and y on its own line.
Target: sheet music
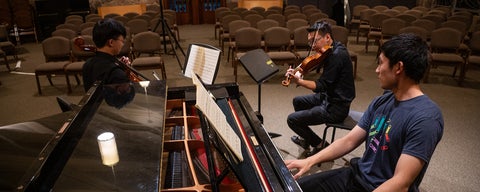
pixel 215 115
pixel 202 61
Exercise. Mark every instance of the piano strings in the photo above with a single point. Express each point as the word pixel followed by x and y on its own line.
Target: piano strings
pixel 177 171
pixel 177 175
pixel 201 158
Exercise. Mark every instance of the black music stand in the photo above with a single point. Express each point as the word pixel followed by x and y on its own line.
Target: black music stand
pixel 260 67
pixel 170 34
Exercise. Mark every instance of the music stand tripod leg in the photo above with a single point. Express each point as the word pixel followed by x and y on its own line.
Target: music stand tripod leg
pixel 170 33
pixel 259 114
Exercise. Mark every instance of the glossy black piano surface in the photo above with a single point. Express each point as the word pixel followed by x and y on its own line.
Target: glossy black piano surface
pixel 70 160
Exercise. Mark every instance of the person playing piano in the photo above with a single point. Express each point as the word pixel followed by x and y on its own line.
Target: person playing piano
pixel 333 91
pixel 400 129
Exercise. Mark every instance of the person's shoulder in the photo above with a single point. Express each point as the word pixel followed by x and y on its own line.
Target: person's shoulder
pixel 382 99
pixel 339 48
pixel 88 63
pixel 423 107
pixel 338 45
pixel 426 102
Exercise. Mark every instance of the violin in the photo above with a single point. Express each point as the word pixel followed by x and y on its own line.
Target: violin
pixel 309 63
pixel 132 73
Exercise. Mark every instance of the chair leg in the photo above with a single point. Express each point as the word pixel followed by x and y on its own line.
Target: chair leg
pixel 220 38
pixel 35 33
pixel 49 77
pixel 228 53
pixel 354 59
pixel 38 85
pixel 366 45
pixel 222 45
pixel 77 79
pixel 358 34
pixel 324 140
pixel 162 68
pixel 6 62
pixel 68 83
pixel 233 56
pixel 463 72
pixel 234 63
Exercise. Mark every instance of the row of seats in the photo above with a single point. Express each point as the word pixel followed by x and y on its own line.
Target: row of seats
pixel 431 24
pixel 373 20
pixel 224 15
pixel 137 22
pixel 63 57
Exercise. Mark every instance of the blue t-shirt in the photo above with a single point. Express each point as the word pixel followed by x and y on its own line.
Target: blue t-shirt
pixel 412 127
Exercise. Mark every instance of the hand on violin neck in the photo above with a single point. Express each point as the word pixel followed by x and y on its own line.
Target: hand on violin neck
pixel 298 75
pixel 125 60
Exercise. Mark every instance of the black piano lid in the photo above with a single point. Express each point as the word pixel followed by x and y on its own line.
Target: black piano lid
pixel 286 177
pixel 35 144
pixel 74 162
pixel 20 145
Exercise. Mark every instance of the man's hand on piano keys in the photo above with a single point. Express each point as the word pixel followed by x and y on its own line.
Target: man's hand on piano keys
pixel 300 165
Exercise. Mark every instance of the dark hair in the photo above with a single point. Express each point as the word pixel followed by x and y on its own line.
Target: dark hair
pixel 322 26
pixel 411 50
pixel 107 29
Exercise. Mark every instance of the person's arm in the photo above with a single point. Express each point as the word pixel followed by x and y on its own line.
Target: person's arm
pixel 298 79
pixel 335 150
pixel 407 169
pixel 306 83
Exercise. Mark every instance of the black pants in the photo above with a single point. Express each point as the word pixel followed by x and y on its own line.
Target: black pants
pixel 336 180
pixel 314 109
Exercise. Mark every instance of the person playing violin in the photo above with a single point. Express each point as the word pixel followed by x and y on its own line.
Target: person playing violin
pixel 109 37
pixel 333 91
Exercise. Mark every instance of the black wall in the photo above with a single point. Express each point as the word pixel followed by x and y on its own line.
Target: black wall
pixel 333 8
pixel 51 13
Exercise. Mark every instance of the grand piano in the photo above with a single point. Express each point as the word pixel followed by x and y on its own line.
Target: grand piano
pixel 163 142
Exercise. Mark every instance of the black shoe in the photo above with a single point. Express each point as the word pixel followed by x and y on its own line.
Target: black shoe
pixel 315 150
pixel 312 152
pixel 300 142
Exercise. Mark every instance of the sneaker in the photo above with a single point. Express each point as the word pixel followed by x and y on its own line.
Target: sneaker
pixel 300 142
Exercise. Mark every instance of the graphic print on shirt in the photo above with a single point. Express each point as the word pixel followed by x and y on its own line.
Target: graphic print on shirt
pixel 378 134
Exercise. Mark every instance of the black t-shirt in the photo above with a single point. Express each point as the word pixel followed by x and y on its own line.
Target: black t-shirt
pixel 337 77
pixel 102 67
